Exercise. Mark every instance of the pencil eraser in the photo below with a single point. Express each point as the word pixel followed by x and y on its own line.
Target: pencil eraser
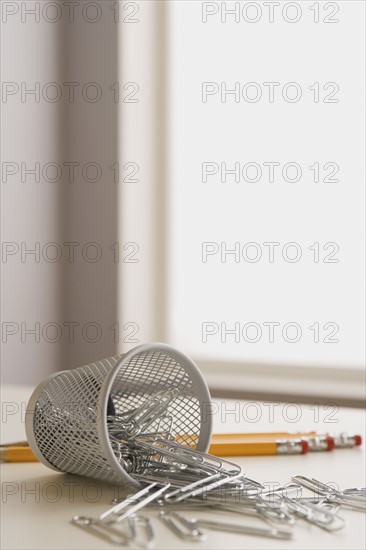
pixel 330 443
pixel 304 446
pixel 358 440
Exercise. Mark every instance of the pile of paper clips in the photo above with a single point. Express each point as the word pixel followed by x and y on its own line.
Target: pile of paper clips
pixel 178 478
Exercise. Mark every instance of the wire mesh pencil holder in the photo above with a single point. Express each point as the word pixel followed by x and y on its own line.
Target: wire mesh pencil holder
pixel 68 415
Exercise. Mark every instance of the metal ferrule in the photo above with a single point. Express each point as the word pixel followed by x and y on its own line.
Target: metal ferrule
pixel 289 447
pixel 318 443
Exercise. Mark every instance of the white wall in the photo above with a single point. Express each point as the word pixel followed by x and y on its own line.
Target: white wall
pixel 35 50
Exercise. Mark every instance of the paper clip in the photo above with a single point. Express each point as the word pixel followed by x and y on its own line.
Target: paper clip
pixel 203 486
pixel 354 499
pixel 148 535
pixel 101 530
pixel 183 528
pixel 193 528
pixel 113 514
pixel 317 515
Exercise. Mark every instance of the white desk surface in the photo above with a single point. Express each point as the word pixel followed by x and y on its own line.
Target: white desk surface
pixel 31 521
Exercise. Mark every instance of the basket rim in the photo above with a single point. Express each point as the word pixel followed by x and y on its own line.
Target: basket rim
pixel 29 418
pixel 199 384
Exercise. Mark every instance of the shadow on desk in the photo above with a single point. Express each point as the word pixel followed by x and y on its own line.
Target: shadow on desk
pixel 62 489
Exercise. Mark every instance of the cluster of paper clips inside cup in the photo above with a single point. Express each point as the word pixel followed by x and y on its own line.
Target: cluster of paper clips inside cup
pixel 158 420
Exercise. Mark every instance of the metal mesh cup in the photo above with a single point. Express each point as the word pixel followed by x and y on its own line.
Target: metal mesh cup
pixel 67 415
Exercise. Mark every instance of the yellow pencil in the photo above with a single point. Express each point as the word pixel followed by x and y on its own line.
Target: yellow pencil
pixel 246 444
pixel 17 452
pixel 236 445
pixel 222 445
pixel 317 442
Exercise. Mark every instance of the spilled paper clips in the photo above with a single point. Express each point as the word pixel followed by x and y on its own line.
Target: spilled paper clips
pixel 178 479
pixel 279 512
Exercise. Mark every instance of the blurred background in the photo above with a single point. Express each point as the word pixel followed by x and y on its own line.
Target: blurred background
pixel 168 176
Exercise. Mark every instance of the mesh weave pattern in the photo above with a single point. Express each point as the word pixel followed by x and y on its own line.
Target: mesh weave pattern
pixel 66 414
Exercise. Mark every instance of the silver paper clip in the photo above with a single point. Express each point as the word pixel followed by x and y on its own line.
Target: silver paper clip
pixel 138 524
pixel 354 499
pixel 113 514
pixel 101 530
pixel 192 528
